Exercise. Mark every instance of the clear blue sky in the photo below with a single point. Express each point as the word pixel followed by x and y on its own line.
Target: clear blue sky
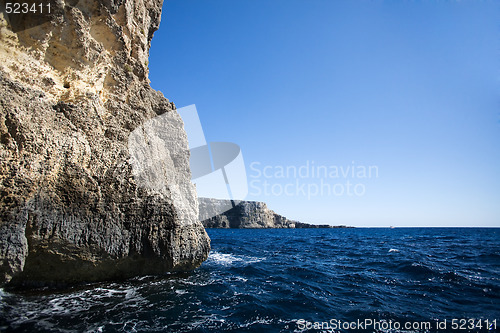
pixel 411 87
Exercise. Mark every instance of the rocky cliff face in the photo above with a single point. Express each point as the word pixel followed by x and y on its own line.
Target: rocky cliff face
pixel 76 204
pixel 245 214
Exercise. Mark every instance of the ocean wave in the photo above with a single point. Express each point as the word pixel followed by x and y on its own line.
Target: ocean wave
pixel 227 259
pixel 258 282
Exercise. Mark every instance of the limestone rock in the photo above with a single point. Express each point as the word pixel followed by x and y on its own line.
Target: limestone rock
pixel 72 90
pixel 245 214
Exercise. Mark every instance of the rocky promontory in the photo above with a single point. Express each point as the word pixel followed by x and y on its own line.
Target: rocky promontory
pixel 245 215
pixel 94 164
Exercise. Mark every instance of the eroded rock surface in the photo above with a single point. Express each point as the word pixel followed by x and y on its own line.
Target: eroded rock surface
pixel 72 90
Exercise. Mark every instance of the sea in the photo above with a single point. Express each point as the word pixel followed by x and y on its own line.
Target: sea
pixel 293 280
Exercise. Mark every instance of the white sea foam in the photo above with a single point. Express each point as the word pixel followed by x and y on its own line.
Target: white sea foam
pixel 393 250
pixel 227 259
pixel 263 321
pixel 239 278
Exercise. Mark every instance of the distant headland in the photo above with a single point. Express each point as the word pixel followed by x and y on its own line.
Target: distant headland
pixel 247 215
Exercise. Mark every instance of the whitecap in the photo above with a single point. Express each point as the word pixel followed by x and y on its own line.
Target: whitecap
pixel 227 259
pixel 393 250
pixel 258 320
pixel 239 278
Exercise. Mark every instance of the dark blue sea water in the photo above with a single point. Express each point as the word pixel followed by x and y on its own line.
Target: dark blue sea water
pixel 291 281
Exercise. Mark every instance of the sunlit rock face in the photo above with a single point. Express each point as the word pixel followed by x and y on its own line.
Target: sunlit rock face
pixel 76 112
pixel 243 214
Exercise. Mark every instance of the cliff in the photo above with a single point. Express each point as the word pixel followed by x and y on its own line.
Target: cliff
pixel 94 164
pixel 245 214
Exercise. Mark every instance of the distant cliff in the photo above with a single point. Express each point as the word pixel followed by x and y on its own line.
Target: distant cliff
pixel 245 215
pixel 76 204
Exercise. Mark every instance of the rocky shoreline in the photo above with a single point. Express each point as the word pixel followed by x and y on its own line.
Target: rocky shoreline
pixel 246 215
